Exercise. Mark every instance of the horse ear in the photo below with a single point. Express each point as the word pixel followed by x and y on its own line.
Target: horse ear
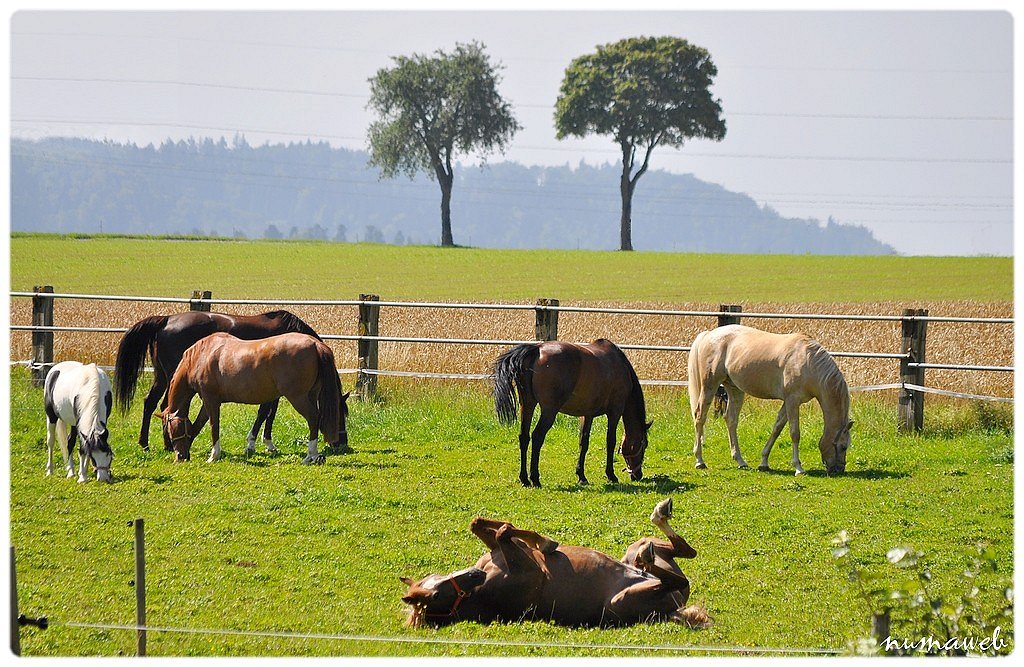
pixel 849 426
pixel 344 396
pixel 406 580
pixel 648 425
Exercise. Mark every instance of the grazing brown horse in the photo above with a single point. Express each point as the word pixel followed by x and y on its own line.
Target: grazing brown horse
pixel 580 380
pixel 224 369
pixel 166 337
pixel 529 576
pixel 790 367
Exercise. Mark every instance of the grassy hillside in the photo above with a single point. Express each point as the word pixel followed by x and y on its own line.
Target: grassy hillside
pixel 309 269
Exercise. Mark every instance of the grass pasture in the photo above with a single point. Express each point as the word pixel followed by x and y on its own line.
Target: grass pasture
pixel 266 544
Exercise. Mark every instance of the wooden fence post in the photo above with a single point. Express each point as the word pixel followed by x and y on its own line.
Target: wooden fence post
pixel 547 320
pixel 910 414
pixel 42 341
pixel 140 587
pixel 369 319
pixel 729 319
pixel 15 626
pixel 197 305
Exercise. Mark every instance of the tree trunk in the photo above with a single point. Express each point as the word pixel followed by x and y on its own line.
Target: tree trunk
pixel 626 221
pixel 446 211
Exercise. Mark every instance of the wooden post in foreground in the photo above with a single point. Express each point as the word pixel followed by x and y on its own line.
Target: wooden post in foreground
pixel 546 327
pixel 15 626
pixel 140 587
pixel 910 413
pixel 42 341
pixel 369 320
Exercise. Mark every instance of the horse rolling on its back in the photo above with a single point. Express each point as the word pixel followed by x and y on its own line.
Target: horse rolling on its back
pixel 790 367
pixel 166 337
pixel 77 401
pixel 526 575
pixel 580 380
pixel 221 368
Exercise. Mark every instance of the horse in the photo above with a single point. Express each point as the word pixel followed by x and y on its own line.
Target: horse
pixel 793 368
pixel 526 575
pixel 166 337
pixel 580 380
pixel 77 401
pixel 221 368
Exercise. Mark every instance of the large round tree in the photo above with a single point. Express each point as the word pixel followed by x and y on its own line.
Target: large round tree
pixel 432 108
pixel 644 92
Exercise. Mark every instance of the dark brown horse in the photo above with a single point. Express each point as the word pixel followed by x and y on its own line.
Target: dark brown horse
pixel 580 380
pixel 224 369
pixel 529 576
pixel 166 337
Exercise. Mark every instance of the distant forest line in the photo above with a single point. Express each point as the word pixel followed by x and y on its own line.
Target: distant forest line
pixel 314 191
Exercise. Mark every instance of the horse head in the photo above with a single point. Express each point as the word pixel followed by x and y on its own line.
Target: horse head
pixel 179 431
pixel 833 454
pixel 633 448
pixel 436 599
pixel 98 450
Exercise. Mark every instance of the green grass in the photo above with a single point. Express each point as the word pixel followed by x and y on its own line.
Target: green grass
pixel 321 270
pixel 264 543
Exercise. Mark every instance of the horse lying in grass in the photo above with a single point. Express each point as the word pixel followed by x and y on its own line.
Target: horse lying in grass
pixel 529 576
pixel 223 369
pixel 790 367
pixel 77 400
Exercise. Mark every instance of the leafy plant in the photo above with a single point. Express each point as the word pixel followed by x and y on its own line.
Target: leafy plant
pixel 913 618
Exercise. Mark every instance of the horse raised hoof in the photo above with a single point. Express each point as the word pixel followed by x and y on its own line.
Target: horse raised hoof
pixel 662 511
pixel 548 546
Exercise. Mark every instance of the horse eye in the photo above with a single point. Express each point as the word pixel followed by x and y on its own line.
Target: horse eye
pixel 433 596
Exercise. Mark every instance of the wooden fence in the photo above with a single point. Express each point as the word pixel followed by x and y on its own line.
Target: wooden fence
pixel 911 354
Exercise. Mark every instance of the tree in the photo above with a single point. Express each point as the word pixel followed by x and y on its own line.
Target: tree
pixel 644 92
pixel 432 108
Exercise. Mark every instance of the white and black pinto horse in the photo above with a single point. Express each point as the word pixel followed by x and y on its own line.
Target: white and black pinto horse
pixel 77 400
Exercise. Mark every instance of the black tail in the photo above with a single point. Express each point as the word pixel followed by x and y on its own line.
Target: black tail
pixel 513 367
pixel 329 399
pixel 131 356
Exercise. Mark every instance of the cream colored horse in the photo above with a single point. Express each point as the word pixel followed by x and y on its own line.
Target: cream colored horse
pixel 790 367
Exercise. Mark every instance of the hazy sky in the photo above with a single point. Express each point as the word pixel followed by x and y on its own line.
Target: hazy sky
pixel 900 121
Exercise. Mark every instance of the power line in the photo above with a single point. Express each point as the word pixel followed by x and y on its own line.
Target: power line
pixel 547 107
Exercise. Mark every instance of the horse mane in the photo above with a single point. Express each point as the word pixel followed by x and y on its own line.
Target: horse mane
pixel 832 379
pixel 292 321
pixel 636 392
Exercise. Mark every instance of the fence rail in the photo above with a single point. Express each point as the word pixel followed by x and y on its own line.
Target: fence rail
pixel 910 355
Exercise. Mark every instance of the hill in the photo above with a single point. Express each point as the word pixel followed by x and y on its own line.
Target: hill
pixel 311 190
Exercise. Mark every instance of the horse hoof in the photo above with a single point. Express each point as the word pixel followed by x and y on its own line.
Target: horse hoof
pixel 763 467
pixel 314 460
pixel 798 473
pixel 548 546
pixel 662 511
pixel 743 466
pixel 583 480
pixel 701 466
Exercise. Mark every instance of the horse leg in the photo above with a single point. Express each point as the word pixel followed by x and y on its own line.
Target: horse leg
pixel 793 414
pixel 732 420
pixel 212 408
pixel 487 531
pixel 585 424
pixel 268 440
pixel 609 445
pixel 156 392
pixel 263 414
pixel 83 462
pixel 544 424
pixel 648 600
pixel 305 405
pixel 517 558
pixel 780 423
pixel 526 409
pixel 67 436
pixel 700 416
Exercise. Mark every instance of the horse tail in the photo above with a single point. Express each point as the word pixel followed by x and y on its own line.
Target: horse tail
pixel 721 401
pixel 514 367
pixel 694 374
pixel 131 356
pixel 329 398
